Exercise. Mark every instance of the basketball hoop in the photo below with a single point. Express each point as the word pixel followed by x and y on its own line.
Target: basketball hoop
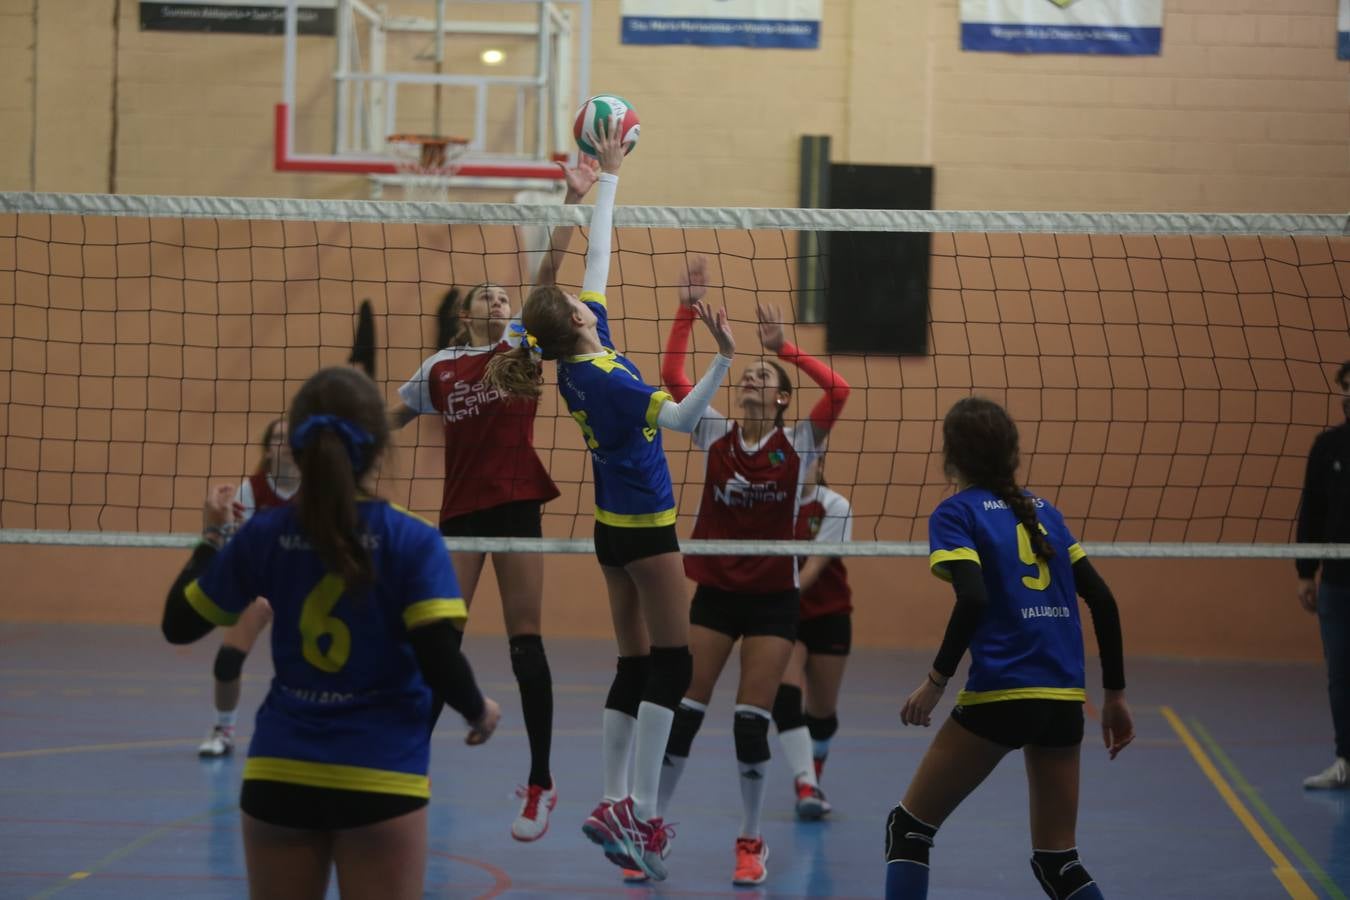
pixel 426 162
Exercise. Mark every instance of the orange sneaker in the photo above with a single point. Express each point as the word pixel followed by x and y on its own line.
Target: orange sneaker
pixel 634 876
pixel 811 802
pixel 751 854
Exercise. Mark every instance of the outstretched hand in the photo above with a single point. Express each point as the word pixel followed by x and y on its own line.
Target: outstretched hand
pixel 581 178
pixel 719 325
pixel 770 327
pixel 609 145
pixel 695 285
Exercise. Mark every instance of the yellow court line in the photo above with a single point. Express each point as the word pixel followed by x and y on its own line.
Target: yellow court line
pixel 94 748
pixel 1284 871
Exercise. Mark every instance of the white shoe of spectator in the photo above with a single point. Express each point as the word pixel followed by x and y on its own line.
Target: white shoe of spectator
pixel 1336 776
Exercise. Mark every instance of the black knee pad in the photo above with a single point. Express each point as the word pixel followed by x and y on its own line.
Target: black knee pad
pixel 787 708
pixel 751 733
pixel 630 681
pixel 672 669
pixel 821 729
pixel 687 723
pixel 229 663
pixel 907 838
pixel 1059 872
pixel 528 661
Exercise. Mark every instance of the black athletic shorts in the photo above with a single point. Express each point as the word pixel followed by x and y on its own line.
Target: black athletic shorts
pixel 520 518
pixel 617 547
pixel 321 809
pixel 747 615
pixel 828 635
pixel 1017 723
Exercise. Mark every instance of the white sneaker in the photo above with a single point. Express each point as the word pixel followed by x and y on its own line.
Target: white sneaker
pixel 536 804
pixel 1335 776
pixel 220 742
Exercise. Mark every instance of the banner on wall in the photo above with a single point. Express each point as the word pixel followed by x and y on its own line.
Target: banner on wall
pixel 1117 27
pixel 1343 31
pixel 238 16
pixel 793 24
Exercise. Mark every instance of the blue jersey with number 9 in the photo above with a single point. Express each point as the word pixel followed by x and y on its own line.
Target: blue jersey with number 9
pixel 348 707
pixel 1029 643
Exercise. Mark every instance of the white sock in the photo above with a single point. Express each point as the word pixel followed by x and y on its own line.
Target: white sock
pixel 616 740
pixel 753 778
pixel 797 751
pixel 653 732
pixel 672 767
pixel 225 719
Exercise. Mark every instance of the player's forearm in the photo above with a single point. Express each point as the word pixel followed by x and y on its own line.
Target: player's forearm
pixel 1105 613
pixel 181 624
pixel 673 373
pixel 685 415
pixel 445 668
pixel 828 409
pixel 602 221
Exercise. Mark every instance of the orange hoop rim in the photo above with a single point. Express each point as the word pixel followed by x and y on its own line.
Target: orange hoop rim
pixel 425 139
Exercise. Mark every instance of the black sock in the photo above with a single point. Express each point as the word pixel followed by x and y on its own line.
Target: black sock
pixel 530 666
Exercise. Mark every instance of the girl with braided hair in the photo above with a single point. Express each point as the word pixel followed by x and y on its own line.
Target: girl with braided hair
pixel 1015 569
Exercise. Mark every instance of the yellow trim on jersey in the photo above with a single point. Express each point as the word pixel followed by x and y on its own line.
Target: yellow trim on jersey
pixel 409 513
pixel 975 698
pixel 593 297
pixel 424 611
pixel 1076 553
pixel 636 520
pixel 938 557
pixel 607 363
pixel 206 607
pixel 331 775
pixel 654 405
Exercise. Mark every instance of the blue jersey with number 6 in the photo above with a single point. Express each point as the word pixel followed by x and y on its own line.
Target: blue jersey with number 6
pixel 348 707
pixel 1029 643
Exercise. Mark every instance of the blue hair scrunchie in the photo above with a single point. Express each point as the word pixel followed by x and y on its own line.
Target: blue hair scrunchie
pixel 355 438
pixel 523 338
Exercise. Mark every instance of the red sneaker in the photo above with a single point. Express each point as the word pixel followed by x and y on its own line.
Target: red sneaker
pixel 751 854
pixel 647 842
pixel 811 802
pixel 537 803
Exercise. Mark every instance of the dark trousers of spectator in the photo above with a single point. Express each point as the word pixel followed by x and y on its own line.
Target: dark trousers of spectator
pixel 1333 614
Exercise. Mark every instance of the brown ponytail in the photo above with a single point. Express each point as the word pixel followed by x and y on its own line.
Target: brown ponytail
pixel 980 443
pixel 547 317
pixel 346 421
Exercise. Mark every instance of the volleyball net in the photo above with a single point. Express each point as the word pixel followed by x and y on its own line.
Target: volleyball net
pixel 1168 372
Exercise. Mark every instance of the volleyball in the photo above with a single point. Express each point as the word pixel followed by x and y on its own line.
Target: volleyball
pixel 596 110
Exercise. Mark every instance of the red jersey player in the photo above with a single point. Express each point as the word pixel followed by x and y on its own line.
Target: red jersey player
pixel 496 486
pixel 824 638
pixel 273 483
pixel 754 470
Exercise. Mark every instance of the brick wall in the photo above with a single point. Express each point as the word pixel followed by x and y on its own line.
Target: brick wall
pixel 1246 108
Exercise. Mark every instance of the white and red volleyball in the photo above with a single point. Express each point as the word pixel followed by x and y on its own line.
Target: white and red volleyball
pixel 595 111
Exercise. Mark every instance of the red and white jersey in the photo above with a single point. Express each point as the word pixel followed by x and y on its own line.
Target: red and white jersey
pixel 259 491
pixel 489 438
pixel 826 516
pixel 749 492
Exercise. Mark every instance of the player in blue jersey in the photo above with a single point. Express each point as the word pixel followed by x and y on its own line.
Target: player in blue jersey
pixel 367 621
pixel 1016 570
pixel 621 418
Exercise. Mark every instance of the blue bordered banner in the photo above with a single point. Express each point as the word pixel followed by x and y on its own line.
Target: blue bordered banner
pixel 1343 31
pixel 1113 27
pixel 791 24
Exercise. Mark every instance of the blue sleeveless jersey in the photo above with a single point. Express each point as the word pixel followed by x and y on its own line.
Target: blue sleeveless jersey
pixel 617 413
pixel 347 707
pixel 1029 643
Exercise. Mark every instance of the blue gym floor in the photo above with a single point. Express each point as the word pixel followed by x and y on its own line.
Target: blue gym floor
pixel 103 795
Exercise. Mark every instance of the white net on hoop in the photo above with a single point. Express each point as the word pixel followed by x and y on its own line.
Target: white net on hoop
pixel 426 164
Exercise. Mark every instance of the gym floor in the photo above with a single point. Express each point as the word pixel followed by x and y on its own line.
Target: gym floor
pixel 104 796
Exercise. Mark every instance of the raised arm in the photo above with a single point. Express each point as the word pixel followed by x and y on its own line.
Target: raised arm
pixel 684 416
pixel 828 409
pixel 610 149
pixel 695 286
pixel 579 181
